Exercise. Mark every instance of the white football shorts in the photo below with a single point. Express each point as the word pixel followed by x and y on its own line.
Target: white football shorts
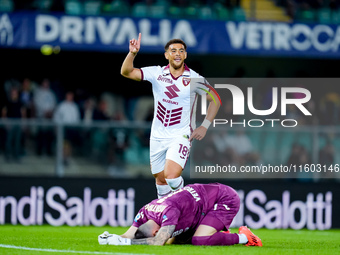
pixel 175 149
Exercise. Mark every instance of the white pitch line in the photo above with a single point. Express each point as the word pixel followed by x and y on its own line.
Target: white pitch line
pixel 67 251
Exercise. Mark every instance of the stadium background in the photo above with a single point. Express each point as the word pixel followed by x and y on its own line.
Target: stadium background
pixel 111 152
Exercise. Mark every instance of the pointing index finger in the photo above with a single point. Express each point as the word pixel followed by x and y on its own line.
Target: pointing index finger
pixel 139 37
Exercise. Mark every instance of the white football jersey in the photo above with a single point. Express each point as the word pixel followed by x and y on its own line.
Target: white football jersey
pixel 175 101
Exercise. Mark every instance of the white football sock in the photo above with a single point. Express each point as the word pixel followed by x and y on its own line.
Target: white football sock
pixel 242 238
pixel 163 190
pixel 176 183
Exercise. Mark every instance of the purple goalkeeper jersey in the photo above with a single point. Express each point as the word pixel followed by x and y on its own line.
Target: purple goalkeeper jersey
pixel 184 208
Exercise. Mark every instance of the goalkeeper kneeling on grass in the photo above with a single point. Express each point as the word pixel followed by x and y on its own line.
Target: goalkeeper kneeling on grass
pixel 194 214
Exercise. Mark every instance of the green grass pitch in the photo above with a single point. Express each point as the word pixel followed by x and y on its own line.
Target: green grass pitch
pixel 27 240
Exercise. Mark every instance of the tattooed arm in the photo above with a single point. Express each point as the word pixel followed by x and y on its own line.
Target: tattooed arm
pixel 163 234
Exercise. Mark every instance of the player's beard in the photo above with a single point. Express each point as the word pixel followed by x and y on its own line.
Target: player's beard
pixel 176 65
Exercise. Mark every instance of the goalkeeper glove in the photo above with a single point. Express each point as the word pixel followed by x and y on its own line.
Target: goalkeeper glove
pixel 113 239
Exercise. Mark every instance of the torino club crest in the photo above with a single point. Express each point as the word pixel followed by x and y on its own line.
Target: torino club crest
pixel 186 81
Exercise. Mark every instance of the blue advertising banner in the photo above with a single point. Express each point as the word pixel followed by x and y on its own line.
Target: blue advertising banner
pixel 104 33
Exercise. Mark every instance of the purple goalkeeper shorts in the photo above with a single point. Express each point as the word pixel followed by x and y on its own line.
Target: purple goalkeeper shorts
pixel 224 210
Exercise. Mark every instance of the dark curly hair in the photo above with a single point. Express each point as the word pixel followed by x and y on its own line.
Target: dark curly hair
pixel 173 41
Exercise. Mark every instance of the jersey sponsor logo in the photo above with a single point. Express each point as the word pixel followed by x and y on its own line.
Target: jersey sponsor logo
pixel 169 117
pixel 171 93
pixel 186 81
pixel 164 79
pixel 169 101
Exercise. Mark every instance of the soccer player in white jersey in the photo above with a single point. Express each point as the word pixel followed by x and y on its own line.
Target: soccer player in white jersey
pixel 173 126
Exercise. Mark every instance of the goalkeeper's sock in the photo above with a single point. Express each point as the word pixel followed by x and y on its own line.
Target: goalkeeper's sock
pixel 218 238
pixel 175 183
pixel 242 238
pixel 163 190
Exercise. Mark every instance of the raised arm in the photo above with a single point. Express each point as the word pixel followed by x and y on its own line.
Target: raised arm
pixel 127 69
pixel 162 236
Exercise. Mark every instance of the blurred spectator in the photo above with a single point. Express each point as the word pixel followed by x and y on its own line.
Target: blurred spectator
pixel 97 138
pixel 228 110
pixel 44 103
pixel 224 142
pixel 329 109
pixel 244 149
pixel 305 161
pixel 115 105
pixel 209 154
pixel 143 111
pixel 100 136
pixel 67 112
pixel 294 157
pixel 87 112
pixel 102 111
pixel 8 85
pixel 294 113
pixel 235 149
pixel 118 137
pixel 81 94
pixel 299 156
pixel 145 136
pixel 326 158
pixel 26 97
pixel 13 109
pixel 44 100
pixel 119 143
pixel 91 112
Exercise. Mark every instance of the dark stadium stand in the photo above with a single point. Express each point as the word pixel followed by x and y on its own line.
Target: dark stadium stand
pixel 324 11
